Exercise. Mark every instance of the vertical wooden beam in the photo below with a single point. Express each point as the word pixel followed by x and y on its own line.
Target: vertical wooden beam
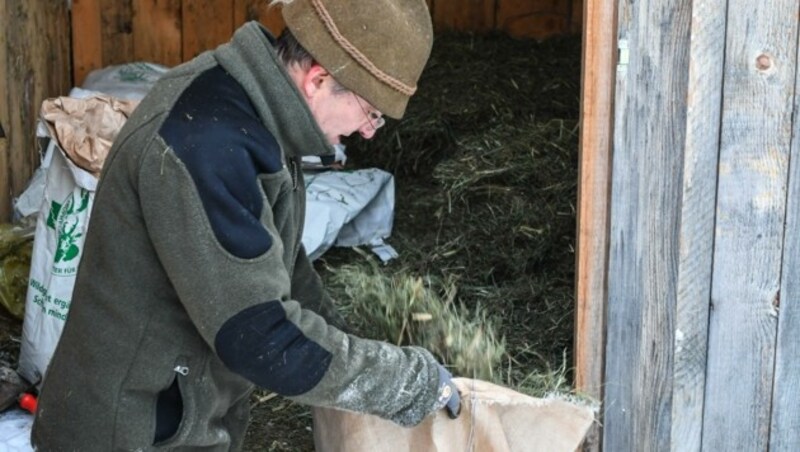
pixel 5 106
pixel 594 167
pixel 649 135
pixel 117 31
pixel 87 52
pixel 701 156
pixel 760 62
pixel 157 31
pixel 37 67
pixel 260 10
pixel 466 15
pixel 785 430
pixel 206 24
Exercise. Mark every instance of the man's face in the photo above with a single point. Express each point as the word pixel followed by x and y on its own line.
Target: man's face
pixel 339 112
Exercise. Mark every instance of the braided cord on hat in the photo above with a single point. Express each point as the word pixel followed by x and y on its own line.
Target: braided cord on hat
pixel 356 54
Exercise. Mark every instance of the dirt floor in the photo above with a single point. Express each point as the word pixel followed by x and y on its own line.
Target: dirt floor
pixel 504 229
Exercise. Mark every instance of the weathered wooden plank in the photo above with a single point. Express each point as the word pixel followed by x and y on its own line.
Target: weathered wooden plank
pixel 5 107
pixel 594 166
pixel 87 52
pixel 37 56
pixel 206 24
pixel 466 15
pixel 117 31
pixel 260 10
pixel 760 60
pixel 785 430
pixel 701 155
pixel 534 18
pixel 649 134
pixel 157 31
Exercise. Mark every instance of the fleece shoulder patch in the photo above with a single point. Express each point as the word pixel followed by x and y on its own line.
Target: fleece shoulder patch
pixel 217 134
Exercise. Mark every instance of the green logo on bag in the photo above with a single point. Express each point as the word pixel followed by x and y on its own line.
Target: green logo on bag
pixel 64 219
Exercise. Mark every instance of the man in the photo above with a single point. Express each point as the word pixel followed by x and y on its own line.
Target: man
pixel 194 286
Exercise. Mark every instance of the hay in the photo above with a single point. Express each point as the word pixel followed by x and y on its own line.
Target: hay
pixel 407 310
pixel 486 173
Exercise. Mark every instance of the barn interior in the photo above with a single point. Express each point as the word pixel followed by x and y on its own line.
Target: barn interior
pixel 485 167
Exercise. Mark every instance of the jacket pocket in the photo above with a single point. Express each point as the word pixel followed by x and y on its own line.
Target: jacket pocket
pixel 171 408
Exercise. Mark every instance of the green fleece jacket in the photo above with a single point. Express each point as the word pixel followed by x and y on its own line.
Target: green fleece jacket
pixel 194 286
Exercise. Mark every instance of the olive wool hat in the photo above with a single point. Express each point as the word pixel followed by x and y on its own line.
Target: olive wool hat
pixel 375 48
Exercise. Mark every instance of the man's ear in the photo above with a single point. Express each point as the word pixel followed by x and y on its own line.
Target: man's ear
pixel 313 79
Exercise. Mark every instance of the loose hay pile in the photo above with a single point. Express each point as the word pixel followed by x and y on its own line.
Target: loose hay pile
pixel 486 167
pixel 486 173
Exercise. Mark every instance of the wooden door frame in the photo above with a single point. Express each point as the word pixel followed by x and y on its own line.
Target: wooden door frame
pixel 599 56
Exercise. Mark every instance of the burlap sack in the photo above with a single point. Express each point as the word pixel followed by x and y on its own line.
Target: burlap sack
pixel 493 419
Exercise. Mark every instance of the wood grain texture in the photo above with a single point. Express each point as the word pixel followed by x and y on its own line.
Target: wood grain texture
pixel 5 107
pixel 465 15
pixel 157 31
pixel 206 24
pixel 534 18
pixel 759 79
pixel 37 56
pixel 785 423
pixel 87 52
pixel 247 10
pixel 649 134
pixel 117 31
pixel 169 32
pixel 594 166
pixel 699 189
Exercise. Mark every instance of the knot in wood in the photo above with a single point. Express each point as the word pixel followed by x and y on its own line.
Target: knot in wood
pixel 763 62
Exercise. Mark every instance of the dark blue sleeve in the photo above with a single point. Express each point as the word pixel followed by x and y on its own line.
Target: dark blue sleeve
pixel 261 345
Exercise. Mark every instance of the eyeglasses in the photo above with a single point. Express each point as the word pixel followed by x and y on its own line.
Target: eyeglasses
pixel 375 119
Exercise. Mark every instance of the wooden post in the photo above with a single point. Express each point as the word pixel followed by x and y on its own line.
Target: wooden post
pixel 34 63
pixel 594 167
pixel 5 108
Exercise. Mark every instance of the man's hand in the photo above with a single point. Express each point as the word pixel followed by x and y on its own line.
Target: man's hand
pixel 449 398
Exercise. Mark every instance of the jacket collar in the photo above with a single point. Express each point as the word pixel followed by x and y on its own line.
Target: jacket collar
pixel 251 59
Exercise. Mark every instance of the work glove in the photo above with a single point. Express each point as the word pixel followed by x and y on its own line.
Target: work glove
pixel 448 398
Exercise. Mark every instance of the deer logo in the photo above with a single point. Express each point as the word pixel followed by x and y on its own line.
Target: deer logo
pixel 65 220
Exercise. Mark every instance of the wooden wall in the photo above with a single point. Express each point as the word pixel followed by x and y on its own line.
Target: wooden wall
pixel 34 64
pixel 168 32
pixel 702 309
